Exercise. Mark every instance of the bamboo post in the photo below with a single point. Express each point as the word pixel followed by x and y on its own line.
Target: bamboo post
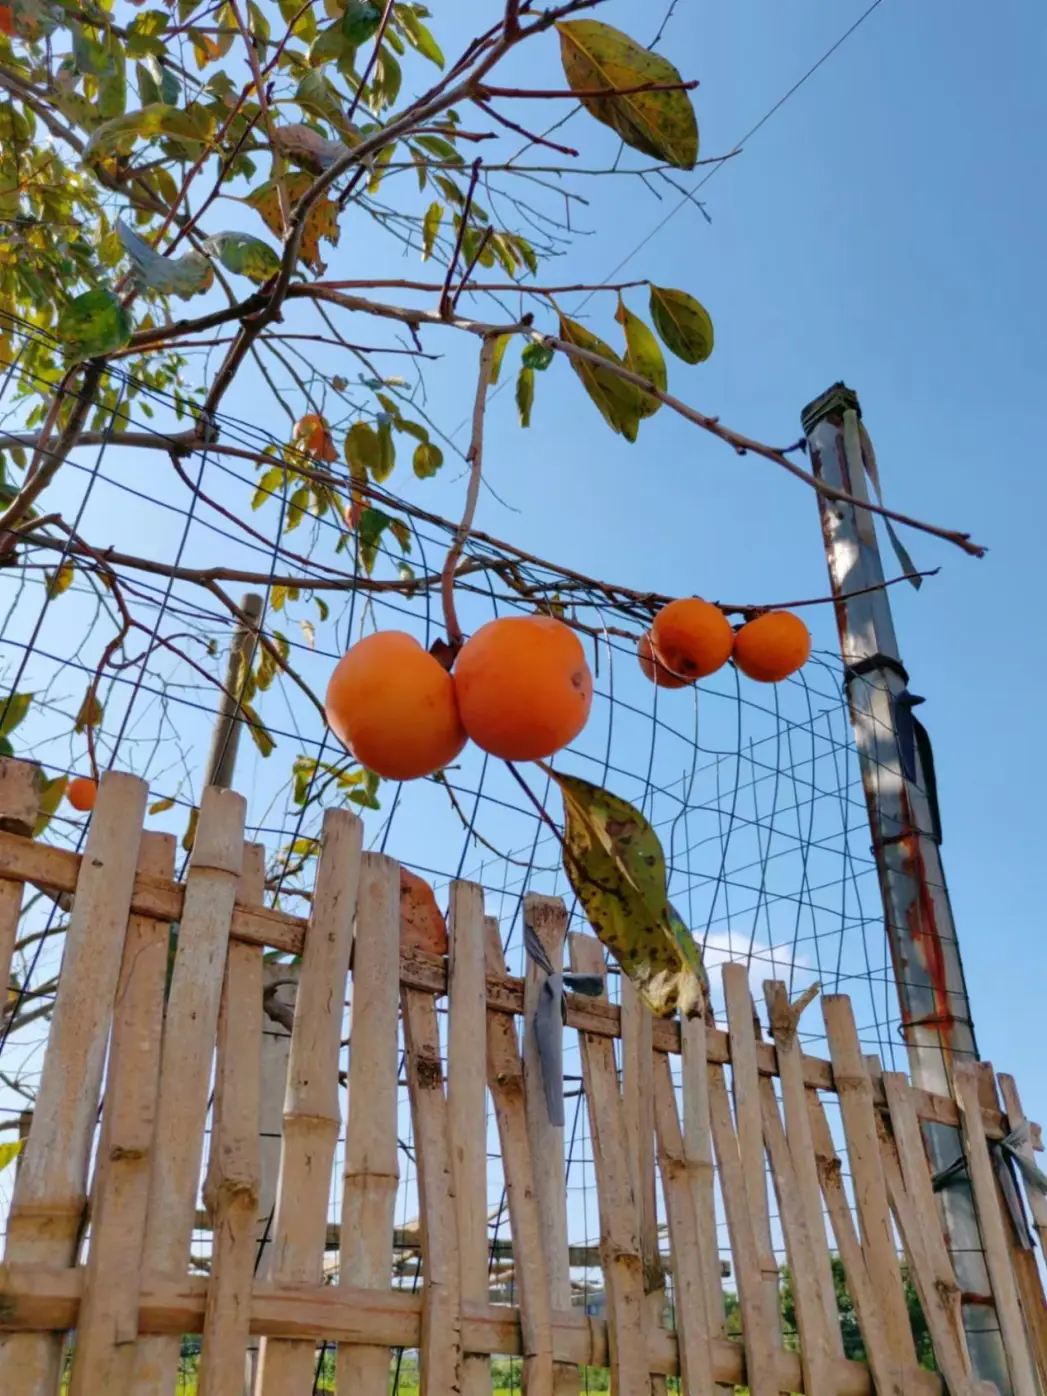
pixel 857 1111
pixel 784 1018
pixel 231 1187
pixel 103 1358
pixel 229 722
pixel 466 1105
pixel 372 1172
pixel 745 1087
pixel 547 918
pixel 637 1027
pixel 311 1113
pixel 190 1030
pixel 619 1232
pixel 51 1186
pixel 506 1084
pixel 698 1152
pixel 759 1339
pixel 441 1336
pixel 693 1335
pixel 20 783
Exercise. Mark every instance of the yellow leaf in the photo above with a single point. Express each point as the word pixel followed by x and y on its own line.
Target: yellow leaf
pixel 683 323
pixel 596 56
pixel 9 1152
pixel 642 355
pixel 620 403
pixel 321 223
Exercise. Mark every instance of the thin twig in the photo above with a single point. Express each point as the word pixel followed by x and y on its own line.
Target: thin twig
pixel 475 459
pixel 463 224
pixel 522 130
pixel 48 460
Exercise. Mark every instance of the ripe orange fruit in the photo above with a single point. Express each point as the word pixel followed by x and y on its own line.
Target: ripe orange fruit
pixel 653 669
pixel 312 434
pixel 772 646
pixel 692 638
pixel 81 792
pixel 7 23
pixel 394 707
pixel 422 925
pixel 524 688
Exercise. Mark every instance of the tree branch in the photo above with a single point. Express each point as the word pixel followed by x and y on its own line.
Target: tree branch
pixel 475 457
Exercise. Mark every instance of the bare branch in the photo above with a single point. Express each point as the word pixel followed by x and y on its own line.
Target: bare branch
pixel 475 459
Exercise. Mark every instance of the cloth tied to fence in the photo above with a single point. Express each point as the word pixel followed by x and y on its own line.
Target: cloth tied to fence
pixel 549 1018
pixel 1005 1152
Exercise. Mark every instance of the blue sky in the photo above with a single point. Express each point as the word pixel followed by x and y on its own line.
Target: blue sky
pixel 885 226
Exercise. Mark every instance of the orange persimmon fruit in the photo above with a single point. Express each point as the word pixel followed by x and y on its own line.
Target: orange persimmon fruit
pixel 653 669
pixel 422 924
pixel 393 706
pixel 772 646
pixel 524 688
pixel 81 792
pixel 691 638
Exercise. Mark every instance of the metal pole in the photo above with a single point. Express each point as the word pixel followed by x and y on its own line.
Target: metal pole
pixel 898 778
pixel 225 741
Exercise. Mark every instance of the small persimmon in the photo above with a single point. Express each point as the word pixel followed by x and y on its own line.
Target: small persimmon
pixel 422 924
pixel 652 667
pixel 692 638
pixel 312 435
pixel 524 688
pixel 81 792
pixel 393 706
pixel 772 646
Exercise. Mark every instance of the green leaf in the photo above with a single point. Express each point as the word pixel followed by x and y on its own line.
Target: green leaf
pixel 161 806
pixel 268 486
pixel 373 524
pixel 620 404
pixel 189 837
pixel 501 344
pixel 94 323
pixel 6 749
pixel 60 581
pixel 50 798
pixel 525 395
pixel 143 34
pixel 418 36
pixel 614 862
pixel 322 607
pixel 245 255
pixel 401 531
pixel 683 324
pixel 360 22
pixel 662 124
pixel 443 150
pixel 536 356
pixel 428 459
pixel 90 58
pixel 363 450
pixel 13 709
pixel 386 454
pixel 430 227
pixel 148 86
pixel 9 1152
pixel 388 77
pixel 90 713
pixel 296 507
pixel 260 734
pixel 118 136
pixel 642 355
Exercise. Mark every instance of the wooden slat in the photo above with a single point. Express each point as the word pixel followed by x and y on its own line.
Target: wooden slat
pixel 311 1115
pixel 870 1192
pixel 466 1105
pixel 48 1298
pixel 939 1294
pixel 20 784
pixel 619 1237
pixel 103 1358
pixel 547 918
pixel 506 1084
pixel 440 1346
pixel 190 1030
pixel 784 1018
pixel 760 1347
pixel 234 1166
pixel 817 1346
pixel 1016 1118
pixel 745 1084
pixel 698 1152
pixel 372 1171
pixel 691 1308
pixel 638 1112
pixel 51 1185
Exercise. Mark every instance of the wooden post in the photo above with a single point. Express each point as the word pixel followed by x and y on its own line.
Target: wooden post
pixel 372 1171
pixel 547 918
pixel 190 1030
pixel 619 1232
pixel 311 1114
pixel 20 783
pixel 103 1358
pixel 231 1188
pixel 506 1084
pixel 51 1187
pixel 701 1169
pixel 466 1105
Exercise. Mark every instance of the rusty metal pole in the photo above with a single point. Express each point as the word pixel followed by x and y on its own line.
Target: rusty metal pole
pixel 898 779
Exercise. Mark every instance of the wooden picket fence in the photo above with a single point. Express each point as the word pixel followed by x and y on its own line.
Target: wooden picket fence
pixel 98 1239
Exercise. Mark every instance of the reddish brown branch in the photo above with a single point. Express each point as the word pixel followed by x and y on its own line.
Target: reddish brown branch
pixel 519 130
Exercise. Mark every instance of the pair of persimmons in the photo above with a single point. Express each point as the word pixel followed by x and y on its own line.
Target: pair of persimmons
pixel 521 689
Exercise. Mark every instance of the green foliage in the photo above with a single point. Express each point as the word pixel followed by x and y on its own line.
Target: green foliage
pixel 684 324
